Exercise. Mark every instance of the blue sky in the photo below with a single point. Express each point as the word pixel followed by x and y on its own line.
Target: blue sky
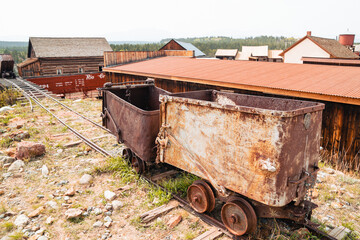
pixel 154 20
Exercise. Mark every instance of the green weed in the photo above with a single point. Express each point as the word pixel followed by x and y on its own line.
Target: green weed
pixel 8 96
pixel 17 235
pixel 180 184
pixel 7 226
pixel 6 142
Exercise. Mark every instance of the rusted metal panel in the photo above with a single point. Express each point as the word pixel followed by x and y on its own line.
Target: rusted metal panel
pixel 71 83
pixel 132 114
pixel 256 146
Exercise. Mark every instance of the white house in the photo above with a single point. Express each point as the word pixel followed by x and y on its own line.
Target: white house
pixel 316 47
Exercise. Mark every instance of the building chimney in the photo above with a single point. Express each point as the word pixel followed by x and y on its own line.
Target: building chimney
pixel 308 33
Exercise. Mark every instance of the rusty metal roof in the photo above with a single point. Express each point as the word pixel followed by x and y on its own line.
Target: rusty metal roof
pixel 332 60
pixel 322 82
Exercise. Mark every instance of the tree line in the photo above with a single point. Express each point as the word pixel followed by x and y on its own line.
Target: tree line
pixel 209 45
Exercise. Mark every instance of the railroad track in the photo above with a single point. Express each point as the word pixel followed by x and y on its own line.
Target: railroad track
pixel 32 92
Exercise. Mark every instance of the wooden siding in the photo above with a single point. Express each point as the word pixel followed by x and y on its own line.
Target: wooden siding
pixel 172 45
pixel 340 124
pixel 69 65
pixel 117 58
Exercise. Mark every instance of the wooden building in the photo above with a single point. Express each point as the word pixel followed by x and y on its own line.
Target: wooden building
pixel 226 54
pixel 336 86
pixel 316 47
pixel 61 56
pixel 177 45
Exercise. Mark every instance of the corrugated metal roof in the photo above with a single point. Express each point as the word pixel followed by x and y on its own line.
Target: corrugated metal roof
pixel 255 51
pixel 226 53
pixel 190 47
pixel 331 60
pixel 69 47
pixel 287 79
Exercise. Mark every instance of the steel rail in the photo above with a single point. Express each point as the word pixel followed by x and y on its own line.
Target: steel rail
pixel 79 135
pixel 65 106
pixel 23 91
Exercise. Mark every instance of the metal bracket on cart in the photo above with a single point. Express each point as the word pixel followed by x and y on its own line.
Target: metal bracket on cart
pixel 108 115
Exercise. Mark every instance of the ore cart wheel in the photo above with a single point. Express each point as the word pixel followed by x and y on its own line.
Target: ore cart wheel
pixel 239 216
pixel 137 164
pixel 201 197
pixel 127 154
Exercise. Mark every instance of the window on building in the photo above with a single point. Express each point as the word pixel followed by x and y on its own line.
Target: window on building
pixel 81 70
pixel 100 68
pixel 58 71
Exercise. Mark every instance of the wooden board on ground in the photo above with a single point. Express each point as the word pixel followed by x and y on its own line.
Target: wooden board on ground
pixel 154 213
pixel 213 233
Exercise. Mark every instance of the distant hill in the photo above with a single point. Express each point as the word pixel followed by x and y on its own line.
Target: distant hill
pixel 8 44
pixel 129 42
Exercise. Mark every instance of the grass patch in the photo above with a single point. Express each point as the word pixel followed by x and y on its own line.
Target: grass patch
pixel 157 196
pixel 17 235
pixel 8 96
pixel 6 142
pixel 180 184
pixel 7 226
pixel 119 167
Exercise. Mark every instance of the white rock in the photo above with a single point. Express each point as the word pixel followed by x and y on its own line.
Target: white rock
pixel 107 219
pixel 49 220
pixel 107 224
pixel 43 238
pixel 52 204
pixel 98 211
pixel 97 224
pixel 86 179
pixel 16 166
pixel 116 204
pixel 109 195
pixel 73 213
pixel 44 170
pixel 21 220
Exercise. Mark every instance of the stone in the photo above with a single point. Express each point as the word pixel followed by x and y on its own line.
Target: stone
pixel 40 196
pixel 73 213
pixel 107 219
pixel 52 204
pixel 335 205
pixel 43 238
pixel 44 170
pixel 11 152
pixel 21 221
pixel 2 192
pixel 16 166
pixel 108 213
pixel 5 109
pixel 40 231
pixel 175 220
pixel 70 192
pixel 108 207
pixel 86 179
pixel 98 211
pixel 28 150
pixel 4 160
pixel 34 237
pixel 315 194
pixel 107 224
pixel 98 224
pixel 18 136
pixel 36 212
pixel 116 204
pixel 109 195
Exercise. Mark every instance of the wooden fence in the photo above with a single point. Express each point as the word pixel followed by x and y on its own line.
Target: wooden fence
pixel 122 57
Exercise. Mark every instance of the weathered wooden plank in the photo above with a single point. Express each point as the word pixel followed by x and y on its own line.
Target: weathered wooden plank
pixel 154 213
pixel 211 234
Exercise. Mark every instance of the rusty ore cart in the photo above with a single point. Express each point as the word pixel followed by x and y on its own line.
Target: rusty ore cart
pixel 6 66
pixel 258 154
pixel 131 113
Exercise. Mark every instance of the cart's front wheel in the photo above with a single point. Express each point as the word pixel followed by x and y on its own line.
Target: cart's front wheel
pixel 201 197
pixel 127 154
pixel 239 216
pixel 137 164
